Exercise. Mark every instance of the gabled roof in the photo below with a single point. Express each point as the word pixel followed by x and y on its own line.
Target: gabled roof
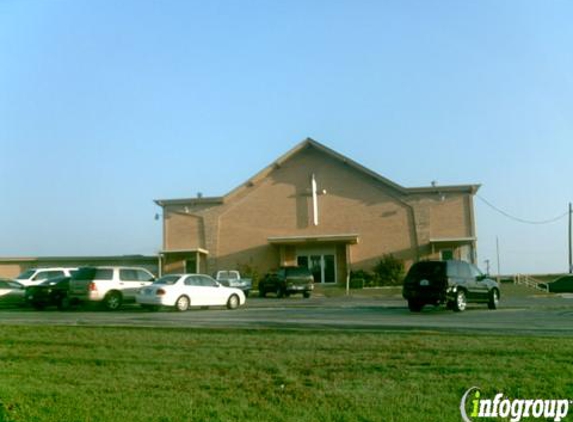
pixel 190 201
pixel 311 143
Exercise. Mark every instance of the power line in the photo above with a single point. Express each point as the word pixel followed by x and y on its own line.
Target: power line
pixel 521 220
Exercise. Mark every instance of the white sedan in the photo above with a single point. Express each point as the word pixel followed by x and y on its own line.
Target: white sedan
pixel 182 291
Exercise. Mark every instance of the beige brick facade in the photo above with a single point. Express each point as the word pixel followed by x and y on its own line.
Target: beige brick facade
pixel 270 220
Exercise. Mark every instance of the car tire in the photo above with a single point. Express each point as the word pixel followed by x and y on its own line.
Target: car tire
pixel 460 301
pixel 233 302
pixel 112 301
pixel 279 292
pixel 415 305
pixel 306 295
pixel 493 302
pixel 262 292
pixel 182 303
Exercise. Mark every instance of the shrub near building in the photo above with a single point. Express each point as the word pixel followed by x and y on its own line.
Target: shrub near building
pixel 389 271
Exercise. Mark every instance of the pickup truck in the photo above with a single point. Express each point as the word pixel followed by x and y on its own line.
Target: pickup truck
pixel 286 281
pixel 232 278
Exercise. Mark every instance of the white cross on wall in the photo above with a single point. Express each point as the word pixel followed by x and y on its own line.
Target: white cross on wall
pixel 314 200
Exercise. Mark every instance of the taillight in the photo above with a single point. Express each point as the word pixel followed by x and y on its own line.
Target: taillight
pixel 92 287
pixel 160 292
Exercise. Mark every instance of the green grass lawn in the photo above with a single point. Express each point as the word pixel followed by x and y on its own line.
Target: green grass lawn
pixel 119 374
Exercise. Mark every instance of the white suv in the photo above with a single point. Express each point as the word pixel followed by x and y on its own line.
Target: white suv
pixel 35 276
pixel 111 286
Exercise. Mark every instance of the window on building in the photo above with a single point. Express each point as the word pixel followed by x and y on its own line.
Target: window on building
pixel 447 254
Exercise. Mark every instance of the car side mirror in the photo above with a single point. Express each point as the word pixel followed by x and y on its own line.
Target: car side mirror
pixel 482 277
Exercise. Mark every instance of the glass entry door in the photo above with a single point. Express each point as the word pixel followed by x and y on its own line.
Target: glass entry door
pixel 316 267
pixel 322 266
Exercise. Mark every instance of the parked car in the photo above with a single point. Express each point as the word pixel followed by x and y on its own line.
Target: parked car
pixel 111 286
pixel 34 276
pixel 182 291
pixel 561 285
pixel 453 283
pixel 51 292
pixel 11 292
pixel 232 278
pixel 286 281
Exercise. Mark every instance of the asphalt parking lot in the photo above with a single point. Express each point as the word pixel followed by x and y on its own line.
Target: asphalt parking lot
pixel 530 314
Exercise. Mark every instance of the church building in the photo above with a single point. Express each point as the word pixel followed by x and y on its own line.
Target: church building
pixel 317 208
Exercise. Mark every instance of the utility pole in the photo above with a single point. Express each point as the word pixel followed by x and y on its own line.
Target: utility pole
pixel 497 250
pixel 570 241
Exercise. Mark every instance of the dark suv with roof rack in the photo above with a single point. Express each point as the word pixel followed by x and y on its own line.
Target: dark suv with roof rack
pixel 453 283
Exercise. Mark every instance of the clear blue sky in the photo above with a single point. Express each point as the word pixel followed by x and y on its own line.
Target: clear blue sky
pixel 107 105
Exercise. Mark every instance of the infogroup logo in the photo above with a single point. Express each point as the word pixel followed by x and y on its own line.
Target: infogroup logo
pixel 515 409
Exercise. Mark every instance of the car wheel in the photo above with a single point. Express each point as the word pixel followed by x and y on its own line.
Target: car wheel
pixel 262 292
pixel 415 306
pixel 493 299
pixel 182 303
pixel 279 292
pixel 233 302
pixel 460 302
pixel 112 301
pixel 306 295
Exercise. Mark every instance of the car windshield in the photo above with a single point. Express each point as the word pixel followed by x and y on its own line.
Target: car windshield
pixel 298 271
pixel 26 275
pixel 167 280
pixel 53 281
pixel 86 273
pixel 93 273
pixel 428 269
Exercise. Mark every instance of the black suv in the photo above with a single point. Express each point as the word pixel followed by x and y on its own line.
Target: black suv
pixel 454 283
pixel 287 280
pixel 53 291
